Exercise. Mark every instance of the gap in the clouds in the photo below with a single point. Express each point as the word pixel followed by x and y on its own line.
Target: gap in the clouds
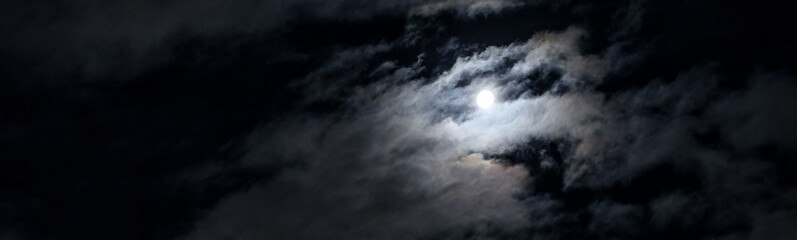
pixel 471 35
pixel 545 161
pixel 676 38
pixel 512 25
pixel 313 35
pixel 503 66
pixel 543 79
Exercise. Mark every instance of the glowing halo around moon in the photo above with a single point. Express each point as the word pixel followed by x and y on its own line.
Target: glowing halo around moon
pixel 485 99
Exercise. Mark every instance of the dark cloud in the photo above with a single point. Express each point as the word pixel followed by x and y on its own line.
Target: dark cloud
pixel 101 40
pixel 357 120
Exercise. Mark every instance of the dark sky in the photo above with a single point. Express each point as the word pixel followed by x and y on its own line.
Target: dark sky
pixel 357 119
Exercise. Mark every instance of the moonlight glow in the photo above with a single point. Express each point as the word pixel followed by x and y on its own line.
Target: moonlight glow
pixel 485 99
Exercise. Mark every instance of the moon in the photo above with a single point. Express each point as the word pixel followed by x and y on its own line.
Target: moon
pixel 485 99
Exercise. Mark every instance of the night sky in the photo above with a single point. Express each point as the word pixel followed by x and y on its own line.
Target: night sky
pixel 358 119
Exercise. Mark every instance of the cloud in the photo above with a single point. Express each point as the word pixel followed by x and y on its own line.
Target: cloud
pixel 398 166
pixel 378 175
pixel 760 115
pixel 405 156
pixel 469 8
pixel 90 40
pixel 587 138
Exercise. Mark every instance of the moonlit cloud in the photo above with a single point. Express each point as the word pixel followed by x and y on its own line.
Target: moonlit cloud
pixel 399 138
pixel 401 152
pixel 359 119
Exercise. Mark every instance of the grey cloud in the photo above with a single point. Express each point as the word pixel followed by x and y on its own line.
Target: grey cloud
pixel 621 136
pixel 777 226
pixel 661 124
pixel 399 155
pixel 344 67
pixel 379 176
pixel 628 20
pixel 677 211
pixel 408 155
pixel 470 8
pixel 762 114
pixel 391 159
pixel 10 236
pixel 117 39
pixel 82 37
pixel 616 219
pixel 395 140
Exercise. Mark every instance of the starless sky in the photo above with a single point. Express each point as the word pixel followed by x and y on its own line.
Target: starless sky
pixel 358 119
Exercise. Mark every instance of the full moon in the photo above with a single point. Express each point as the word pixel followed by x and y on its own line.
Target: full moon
pixel 485 99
